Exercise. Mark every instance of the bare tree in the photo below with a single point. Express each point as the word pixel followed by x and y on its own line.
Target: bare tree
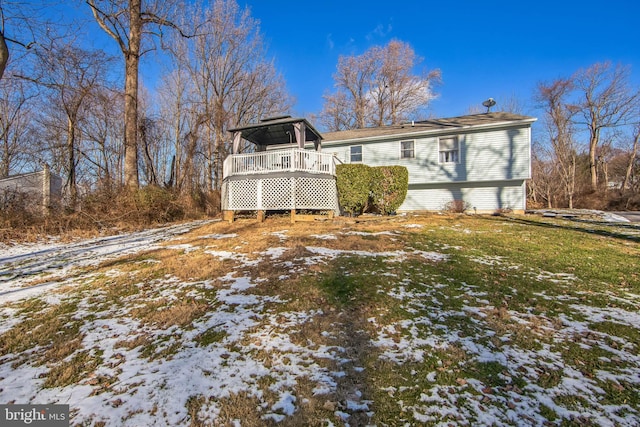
pixel 544 177
pixel 378 87
pixel 355 76
pixel 103 148
pixel 155 141
pixel 173 94
pixel 608 103
pixel 16 116
pixel 633 153
pixel 336 114
pixel 232 81
pixel 127 22
pixel 4 48
pixel 400 92
pixel 511 104
pixel 69 75
pixel 16 28
pixel 559 129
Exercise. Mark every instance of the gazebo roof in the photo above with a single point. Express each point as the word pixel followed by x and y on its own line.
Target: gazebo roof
pixel 277 131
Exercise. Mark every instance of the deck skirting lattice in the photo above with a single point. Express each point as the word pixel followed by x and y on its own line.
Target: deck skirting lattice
pixel 280 193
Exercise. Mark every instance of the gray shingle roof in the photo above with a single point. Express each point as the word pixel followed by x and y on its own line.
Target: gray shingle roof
pixel 453 123
pixel 276 131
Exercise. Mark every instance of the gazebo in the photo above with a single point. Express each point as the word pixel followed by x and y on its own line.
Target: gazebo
pixel 279 174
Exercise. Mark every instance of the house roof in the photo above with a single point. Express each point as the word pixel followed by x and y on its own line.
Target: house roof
pixel 428 126
pixel 276 130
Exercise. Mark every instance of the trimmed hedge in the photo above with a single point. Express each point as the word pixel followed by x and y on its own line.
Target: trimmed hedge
pixel 353 182
pixel 389 186
pixel 380 189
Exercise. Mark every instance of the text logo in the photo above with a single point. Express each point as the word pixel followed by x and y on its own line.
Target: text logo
pixel 34 415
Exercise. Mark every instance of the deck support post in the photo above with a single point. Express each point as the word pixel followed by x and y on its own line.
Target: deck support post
pixel 261 215
pixel 228 216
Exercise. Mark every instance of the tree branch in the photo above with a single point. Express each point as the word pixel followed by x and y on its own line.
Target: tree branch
pixel 99 15
pixel 26 46
pixel 152 18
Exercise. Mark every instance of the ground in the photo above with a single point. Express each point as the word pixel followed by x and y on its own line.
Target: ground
pixel 408 320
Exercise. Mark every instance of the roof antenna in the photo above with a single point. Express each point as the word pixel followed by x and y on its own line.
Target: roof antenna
pixel 489 103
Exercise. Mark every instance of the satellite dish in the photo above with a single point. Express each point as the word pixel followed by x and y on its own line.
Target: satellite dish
pixel 489 103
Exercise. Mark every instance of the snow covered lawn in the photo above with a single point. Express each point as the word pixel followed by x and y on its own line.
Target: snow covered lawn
pixel 420 320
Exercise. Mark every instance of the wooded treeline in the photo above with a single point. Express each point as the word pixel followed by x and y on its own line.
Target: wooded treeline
pixel 91 117
pixel 93 120
pixel 585 154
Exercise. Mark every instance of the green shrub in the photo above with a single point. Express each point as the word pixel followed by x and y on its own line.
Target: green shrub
pixel 380 189
pixel 353 182
pixel 389 186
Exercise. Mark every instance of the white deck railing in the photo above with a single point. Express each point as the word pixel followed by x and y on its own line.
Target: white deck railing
pixel 288 160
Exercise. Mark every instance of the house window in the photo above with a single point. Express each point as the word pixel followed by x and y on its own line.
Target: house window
pixel 407 150
pixel 449 150
pixel 356 154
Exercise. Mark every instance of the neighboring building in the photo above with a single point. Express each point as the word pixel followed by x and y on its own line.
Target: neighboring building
pixel 42 190
pixel 482 160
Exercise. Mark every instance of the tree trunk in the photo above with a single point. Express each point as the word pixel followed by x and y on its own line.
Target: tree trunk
pixel 176 164
pixel 632 157
pixel 5 161
pixel 593 167
pixel 4 55
pixel 132 59
pixel 71 160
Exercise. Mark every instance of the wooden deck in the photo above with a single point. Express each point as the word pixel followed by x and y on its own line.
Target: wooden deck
pixel 280 180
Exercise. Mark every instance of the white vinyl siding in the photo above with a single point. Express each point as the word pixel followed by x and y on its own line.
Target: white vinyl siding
pixel 496 160
pixel 484 198
pixel 494 155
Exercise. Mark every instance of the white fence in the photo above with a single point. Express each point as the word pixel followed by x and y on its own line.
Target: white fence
pixel 289 160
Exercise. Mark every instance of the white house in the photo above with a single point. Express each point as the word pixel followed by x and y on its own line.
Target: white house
pixel 483 160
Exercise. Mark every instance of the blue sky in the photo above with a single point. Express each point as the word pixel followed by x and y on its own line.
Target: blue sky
pixel 497 48
pixel 484 49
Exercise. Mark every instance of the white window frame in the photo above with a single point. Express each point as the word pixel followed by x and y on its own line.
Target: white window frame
pixel 351 154
pixel 449 156
pixel 412 150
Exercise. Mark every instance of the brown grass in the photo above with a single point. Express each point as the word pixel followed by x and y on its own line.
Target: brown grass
pixel 53 330
pixel 71 371
pixel 137 341
pixel 164 313
pixel 500 321
pixel 238 406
